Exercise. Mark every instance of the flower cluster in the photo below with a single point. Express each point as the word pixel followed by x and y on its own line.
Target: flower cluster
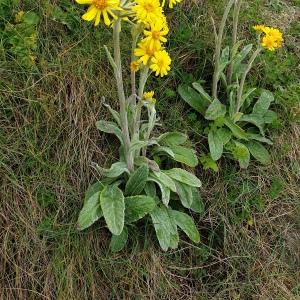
pixel 272 38
pixel 149 15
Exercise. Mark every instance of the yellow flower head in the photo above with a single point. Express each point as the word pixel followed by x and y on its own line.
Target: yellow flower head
pixel 145 52
pixel 100 8
pixel 135 66
pixel 160 63
pixel 171 2
pixel 156 34
pixel 148 11
pixel 272 39
pixel 148 98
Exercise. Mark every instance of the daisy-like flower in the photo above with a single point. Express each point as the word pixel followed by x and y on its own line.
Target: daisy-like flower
pixel 160 63
pixel 171 2
pixel 100 8
pixel 145 52
pixel 148 11
pixel 135 66
pixel 156 34
pixel 272 39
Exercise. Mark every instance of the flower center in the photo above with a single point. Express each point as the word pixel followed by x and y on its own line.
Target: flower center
pixel 100 4
pixel 149 7
pixel 160 63
pixel 156 35
pixel 149 52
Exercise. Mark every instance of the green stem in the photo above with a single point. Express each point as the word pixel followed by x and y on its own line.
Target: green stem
pixel 219 40
pixel 121 94
pixel 243 80
pixel 236 14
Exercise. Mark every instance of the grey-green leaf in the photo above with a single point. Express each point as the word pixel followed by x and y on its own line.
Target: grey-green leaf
pixel 197 205
pixel 186 223
pixel 194 99
pixel 172 138
pixel 242 154
pixel 137 181
pixel 110 127
pixel 215 143
pixel 236 130
pixel 115 170
pixel 185 194
pixel 91 211
pixel 174 236
pixel 164 179
pixel 162 225
pixel 136 207
pixel 215 110
pixel 184 177
pixel 259 152
pixel 263 103
pixel 198 87
pixel 118 242
pixel 185 155
pixel 113 207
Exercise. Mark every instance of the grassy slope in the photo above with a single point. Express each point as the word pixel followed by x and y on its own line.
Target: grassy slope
pixel 47 144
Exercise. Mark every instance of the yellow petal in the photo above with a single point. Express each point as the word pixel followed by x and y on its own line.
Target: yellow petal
pixel 84 1
pixel 97 19
pixel 90 14
pixel 106 18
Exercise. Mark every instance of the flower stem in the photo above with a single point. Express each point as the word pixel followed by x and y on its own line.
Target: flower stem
pixel 243 80
pixel 121 94
pixel 219 40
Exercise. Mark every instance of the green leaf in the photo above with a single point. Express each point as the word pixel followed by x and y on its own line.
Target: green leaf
pixel 197 205
pixel 185 155
pixel 118 242
pixel 215 110
pixel 259 152
pixel 247 95
pixel 208 163
pixel 174 236
pixel 137 181
pixel 31 18
pixel 198 87
pixel 242 154
pixel 263 103
pixel 183 176
pixel 165 191
pixel 115 170
pixel 110 127
pixel 260 138
pixel 91 211
pixel 165 180
pixel 136 207
pixel 150 189
pixel 166 150
pixel 224 59
pixel 113 207
pixel 172 138
pixel 185 194
pixel 270 117
pixel 163 226
pixel 239 58
pixel 237 131
pixel 225 134
pixel 194 99
pixel 255 119
pixel 186 223
pixel 114 114
pixel 215 144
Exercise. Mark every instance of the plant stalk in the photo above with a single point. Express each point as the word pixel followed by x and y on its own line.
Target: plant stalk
pixel 121 94
pixel 243 80
pixel 218 49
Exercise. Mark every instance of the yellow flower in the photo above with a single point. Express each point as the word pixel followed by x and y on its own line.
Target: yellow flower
pixel 100 8
pixel 273 38
pixel 148 98
pixel 19 16
pixel 148 11
pixel 156 34
pixel 135 66
pixel 171 2
pixel 160 63
pixel 145 52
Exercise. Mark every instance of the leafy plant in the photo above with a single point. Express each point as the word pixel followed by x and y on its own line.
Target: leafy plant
pixel 237 117
pixel 20 38
pixel 142 184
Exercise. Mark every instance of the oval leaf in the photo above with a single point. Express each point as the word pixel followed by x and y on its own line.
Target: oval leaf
pixel 186 223
pixel 184 177
pixel 118 242
pixel 172 138
pixel 110 127
pixel 136 207
pixel 137 181
pixel 215 143
pixel 259 152
pixel 113 207
pixel 184 155
pixel 215 110
pixel 115 170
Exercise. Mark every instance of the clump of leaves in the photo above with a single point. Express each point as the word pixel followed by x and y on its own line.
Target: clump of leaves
pixel 237 118
pixel 20 38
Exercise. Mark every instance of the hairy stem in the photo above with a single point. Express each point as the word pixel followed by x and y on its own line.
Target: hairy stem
pixel 218 49
pixel 236 14
pixel 121 94
pixel 243 80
